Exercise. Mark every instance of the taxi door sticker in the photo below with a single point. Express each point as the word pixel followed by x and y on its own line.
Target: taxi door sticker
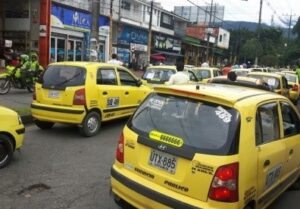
pixel 166 138
pixel 113 102
pixel 223 114
pixel 273 175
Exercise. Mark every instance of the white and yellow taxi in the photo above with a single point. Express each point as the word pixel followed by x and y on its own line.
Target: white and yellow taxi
pixel 293 84
pixel 206 73
pixel 11 134
pixel 208 146
pixel 85 94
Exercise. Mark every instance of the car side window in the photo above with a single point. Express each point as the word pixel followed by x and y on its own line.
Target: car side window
pixel 284 82
pixel 290 119
pixel 192 76
pixel 126 78
pixel 106 76
pixel 267 123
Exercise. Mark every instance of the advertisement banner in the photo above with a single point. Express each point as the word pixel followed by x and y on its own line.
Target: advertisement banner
pixel 166 43
pixel 127 35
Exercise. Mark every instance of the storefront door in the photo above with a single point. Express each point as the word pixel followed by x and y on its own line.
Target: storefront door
pixel 74 50
pixel 58 52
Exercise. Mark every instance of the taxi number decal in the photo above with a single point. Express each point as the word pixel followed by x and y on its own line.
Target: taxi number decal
pixel 166 138
pixel 156 103
pixel 273 175
pixel 113 102
pixel 223 114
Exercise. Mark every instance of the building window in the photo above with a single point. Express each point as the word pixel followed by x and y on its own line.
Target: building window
pixel 125 5
pixel 166 19
pixel 220 38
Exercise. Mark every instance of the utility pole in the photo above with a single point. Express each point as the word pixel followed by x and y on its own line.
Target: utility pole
pixel 208 32
pixel 290 23
pixel 150 34
pixel 95 28
pixel 110 27
pixel 258 29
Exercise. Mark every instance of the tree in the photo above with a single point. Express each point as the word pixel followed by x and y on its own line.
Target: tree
pixel 296 29
pixel 251 49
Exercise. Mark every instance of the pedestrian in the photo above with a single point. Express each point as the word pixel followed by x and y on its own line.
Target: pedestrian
pixel 231 76
pixel 180 77
pixel 114 60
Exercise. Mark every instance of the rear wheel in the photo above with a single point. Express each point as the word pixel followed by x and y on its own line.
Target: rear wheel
pixel 44 124
pixel 6 150
pixel 4 85
pixel 91 124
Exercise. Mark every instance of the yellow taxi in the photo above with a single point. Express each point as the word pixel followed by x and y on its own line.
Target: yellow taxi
pixel 85 94
pixel 159 74
pixel 277 82
pixel 11 134
pixel 293 83
pixel 209 146
pixel 206 73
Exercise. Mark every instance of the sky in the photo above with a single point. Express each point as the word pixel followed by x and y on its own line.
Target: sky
pixel 241 10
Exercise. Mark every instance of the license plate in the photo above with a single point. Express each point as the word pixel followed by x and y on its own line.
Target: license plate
pixel 53 94
pixel 163 161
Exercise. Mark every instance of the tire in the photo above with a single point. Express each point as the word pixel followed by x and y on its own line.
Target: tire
pixel 296 185
pixel 4 85
pixel 91 124
pixel 6 150
pixel 30 87
pixel 44 125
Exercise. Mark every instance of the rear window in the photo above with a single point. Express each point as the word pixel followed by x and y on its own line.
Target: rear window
pixel 156 75
pixel 291 78
pixel 273 82
pixel 204 74
pixel 205 127
pixel 60 77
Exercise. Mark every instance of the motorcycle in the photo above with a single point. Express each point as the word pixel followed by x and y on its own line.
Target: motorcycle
pixel 12 78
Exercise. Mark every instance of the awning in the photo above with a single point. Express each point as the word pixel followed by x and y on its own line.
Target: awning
pixel 193 41
pixel 168 53
pixel 158 57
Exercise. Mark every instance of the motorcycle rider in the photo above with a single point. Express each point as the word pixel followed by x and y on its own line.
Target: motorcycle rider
pixel 35 66
pixel 24 67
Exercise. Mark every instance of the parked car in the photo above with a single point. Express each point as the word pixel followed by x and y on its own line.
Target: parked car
pixel 277 82
pixel 293 84
pixel 206 73
pixel 208 146
pixel 11 134
pixel 85 94
pixel 160 74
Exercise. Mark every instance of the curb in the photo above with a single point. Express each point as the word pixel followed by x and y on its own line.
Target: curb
pixel 27 119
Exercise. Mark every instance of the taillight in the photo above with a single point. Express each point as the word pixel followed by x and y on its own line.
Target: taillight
pixel 79 97
pixel 295 87
pixel 120 149
pixel 224 186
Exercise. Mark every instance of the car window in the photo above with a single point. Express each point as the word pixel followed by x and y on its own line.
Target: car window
pixel 284 82
pixel 205 127
pixel 158 75
pixel 291 78
pixel 216 73
pixel 291 121
pixel 267 123
pixel 60 77
pixel 204 74
pixel 106 76
pixel 273 82
pixel 126 78
pixel 192 76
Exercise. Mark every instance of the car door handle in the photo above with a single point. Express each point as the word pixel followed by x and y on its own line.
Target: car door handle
pixel 267 163
pixel 126 93
pixel 291 152
pixel 104 93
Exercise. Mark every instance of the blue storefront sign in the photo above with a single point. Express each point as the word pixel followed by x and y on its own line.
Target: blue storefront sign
pixel 103 21
pixel 127 35
pixel 70 18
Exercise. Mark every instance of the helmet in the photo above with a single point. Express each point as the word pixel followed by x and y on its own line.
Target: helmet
pixel 33 55
pixel 24 57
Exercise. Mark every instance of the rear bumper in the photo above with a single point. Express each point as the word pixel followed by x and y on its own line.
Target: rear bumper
pixel 57 114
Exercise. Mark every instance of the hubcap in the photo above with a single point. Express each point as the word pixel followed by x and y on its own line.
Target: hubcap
pixel 3 154
pixel 92 124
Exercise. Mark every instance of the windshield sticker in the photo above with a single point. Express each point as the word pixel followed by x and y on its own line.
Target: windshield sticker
pixel 113 102
pixel 271 81
pixel 166 138
pixel 150 75
pixel 156 103
pixel 223 114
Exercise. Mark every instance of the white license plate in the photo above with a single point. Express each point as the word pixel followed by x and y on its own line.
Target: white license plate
pixel 163 161
pixel 53 94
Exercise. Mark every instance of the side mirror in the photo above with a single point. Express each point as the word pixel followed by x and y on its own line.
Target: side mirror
pixel 139 82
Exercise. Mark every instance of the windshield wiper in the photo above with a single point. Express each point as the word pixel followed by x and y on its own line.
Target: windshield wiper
pixel 66 81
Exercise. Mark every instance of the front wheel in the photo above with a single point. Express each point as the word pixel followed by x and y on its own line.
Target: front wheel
pixel 43 124
pixel 91 124
pixel 4 85
pixel 6 150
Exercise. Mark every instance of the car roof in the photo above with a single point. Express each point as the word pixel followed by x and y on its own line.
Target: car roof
pixel 83 64
pixel 288 71
pixel 227 94
pixel 163 67
pixel 206 68
pixel 266 74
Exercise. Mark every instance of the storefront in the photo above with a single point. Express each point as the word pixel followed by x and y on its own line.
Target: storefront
pixel 70 34
pixel 167 46
pixel 132 46
pixel 194 50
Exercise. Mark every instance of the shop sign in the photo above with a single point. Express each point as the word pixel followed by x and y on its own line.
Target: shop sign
pixel 66 17
pixel 166 43
pixel 127 35
pixel 138 47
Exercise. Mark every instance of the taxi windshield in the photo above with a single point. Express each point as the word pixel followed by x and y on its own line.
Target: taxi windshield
pixel 207 127
pixel 156 75
pixel 60 77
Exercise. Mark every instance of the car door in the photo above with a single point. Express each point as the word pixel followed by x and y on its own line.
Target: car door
pixel 270 151
pixel 290 130
pixel 110 94
pixel 132 92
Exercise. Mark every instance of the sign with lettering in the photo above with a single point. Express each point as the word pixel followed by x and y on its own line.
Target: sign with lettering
pixel 127 35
